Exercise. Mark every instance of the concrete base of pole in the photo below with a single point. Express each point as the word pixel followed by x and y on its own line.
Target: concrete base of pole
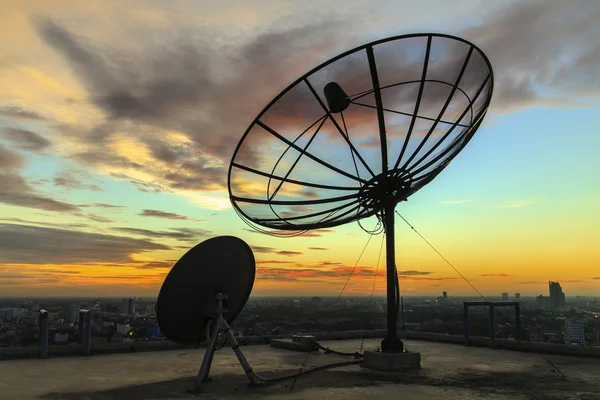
pixel 380 361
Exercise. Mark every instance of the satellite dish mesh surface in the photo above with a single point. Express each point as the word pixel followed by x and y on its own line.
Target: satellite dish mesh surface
pixel 384 118
pixel 186 301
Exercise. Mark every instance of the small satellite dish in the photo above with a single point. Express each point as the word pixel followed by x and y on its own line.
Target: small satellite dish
pixel 357 135
pixel 186 302
pixel 204 291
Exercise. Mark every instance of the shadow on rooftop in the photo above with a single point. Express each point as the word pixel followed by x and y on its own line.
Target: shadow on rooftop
pixel 533 385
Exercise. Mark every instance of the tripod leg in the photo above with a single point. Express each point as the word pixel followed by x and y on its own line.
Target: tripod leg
pixel 208 356
pixel 240 356
pixel 205 378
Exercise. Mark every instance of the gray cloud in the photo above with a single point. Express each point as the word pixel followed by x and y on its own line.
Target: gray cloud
pixel 104 205
pixel 25 139
pixel 536 58
pixel 263 249
pixel 174 88
pixel 155 265
pixel 46 224
pixel 328 263
pixel 181 234
pixel 302 272
pixel 288 253
pixel 20 113
pixel 148 187
pixel 10 160
pixel 22 244
pixel 99 158
pixel 413 272
pixel 98 218
pixel 274 262
pixel 34 276
pixel 272 250
pixel 163 214
pixel 15 191
pixel 318 248
pixel 69 181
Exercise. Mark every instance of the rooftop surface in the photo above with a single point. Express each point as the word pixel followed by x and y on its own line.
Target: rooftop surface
pixel 448 372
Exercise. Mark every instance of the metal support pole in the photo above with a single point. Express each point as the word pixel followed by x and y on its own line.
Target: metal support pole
pixel 492 327
pixel 43 324
pixel 252 376
pixel 208 356
pixel 86 331
pixel 391 343
pixel 518 320
pixel 466 324
pixel 210 353
pixel 402 308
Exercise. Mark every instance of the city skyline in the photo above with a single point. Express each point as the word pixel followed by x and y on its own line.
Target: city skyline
pixel 113 152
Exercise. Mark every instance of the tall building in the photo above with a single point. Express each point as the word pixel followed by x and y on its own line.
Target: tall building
pixel 127 306
pixel 557 297
pixel 72 314
pixel 574 332
pixel 517 296
pixel 504 296
pixel 445 295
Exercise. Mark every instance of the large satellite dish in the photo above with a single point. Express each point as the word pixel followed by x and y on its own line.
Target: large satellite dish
pixel 186 305
pixel 357 135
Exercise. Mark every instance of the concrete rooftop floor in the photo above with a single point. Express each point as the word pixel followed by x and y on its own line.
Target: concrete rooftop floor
pixel 448 372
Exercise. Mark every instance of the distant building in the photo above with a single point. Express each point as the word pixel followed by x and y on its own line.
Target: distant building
pixel 574 332
pixel 72 314
pixel 33 306
pixel 9 314
pixel 31 321
pixel 152 330
pixel 123 329
pixel 557 297
pixel 316 299
pixel 6 314
pixel 517 296
pixel 127 306
pixel 445 295
pixel 542 301
pixel 504 296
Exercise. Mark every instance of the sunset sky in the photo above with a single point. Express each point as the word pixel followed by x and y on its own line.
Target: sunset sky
pixel 118 121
